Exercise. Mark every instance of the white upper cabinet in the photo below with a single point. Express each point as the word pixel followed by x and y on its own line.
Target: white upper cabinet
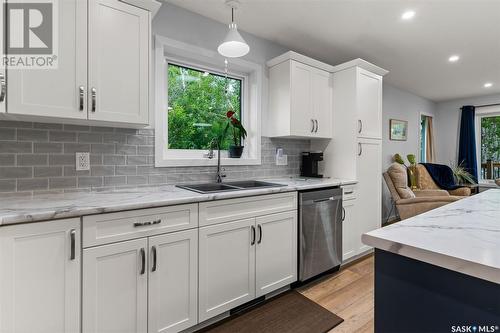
pixel 40 277
pixel 58 92
pixel 369 108
pixel 119 43
pixel 300 98
pixel 102 75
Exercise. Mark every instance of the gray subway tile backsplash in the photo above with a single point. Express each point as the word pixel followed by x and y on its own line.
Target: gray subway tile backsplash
pixel 38 158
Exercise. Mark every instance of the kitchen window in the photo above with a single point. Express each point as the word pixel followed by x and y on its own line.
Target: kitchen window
pixel 197 104
pixel 194 91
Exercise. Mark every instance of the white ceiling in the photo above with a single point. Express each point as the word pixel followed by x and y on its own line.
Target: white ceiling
pixel 415 52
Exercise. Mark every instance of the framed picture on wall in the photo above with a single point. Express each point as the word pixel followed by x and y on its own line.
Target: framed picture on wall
pixel 398 130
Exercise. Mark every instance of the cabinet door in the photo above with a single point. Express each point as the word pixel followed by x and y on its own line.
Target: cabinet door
pixel 173 281
pixel 351 238
pixel 40 277
pixel 115 288
pixel 119 38
pixel 369 171
pixel 276 256
pixel 56 92
pixel 301 108
pixel 322 100
pixel 369 100
pixel 3 82
pixel 226 267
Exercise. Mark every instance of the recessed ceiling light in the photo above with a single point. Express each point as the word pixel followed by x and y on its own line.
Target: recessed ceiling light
pixel 488 85
pixel 454 58
pixel 408 15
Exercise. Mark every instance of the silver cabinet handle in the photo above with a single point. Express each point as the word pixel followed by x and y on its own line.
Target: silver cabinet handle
pixel 360 123
pixel 360 151
pixel 143 261
pixel 145 224
pixel 153 253
pixel 260 234
pixel 93 93
pixel 343 214
pixel 3 87
pixel 253 236
pixel 317 125
pixel 72 250
pixel 81 92
pixel 313 126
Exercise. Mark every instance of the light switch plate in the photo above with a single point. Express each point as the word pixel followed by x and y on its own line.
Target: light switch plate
pixel 82 161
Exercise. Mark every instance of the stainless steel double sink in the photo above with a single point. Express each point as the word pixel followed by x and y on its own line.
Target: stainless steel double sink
pixel 229 186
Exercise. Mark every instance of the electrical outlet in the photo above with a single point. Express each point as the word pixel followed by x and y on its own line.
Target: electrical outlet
pixel 282 160
pixel 82 161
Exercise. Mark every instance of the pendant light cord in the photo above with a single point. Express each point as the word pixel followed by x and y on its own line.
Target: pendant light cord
pixel 232 14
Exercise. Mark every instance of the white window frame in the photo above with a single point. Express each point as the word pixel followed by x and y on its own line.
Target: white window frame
pixel 179 53
pixel 483 112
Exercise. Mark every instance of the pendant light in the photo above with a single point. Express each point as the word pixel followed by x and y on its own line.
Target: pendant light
pixel 233 46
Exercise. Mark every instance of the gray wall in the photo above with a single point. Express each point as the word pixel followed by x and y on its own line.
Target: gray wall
pixel 402 105
pixel 448 125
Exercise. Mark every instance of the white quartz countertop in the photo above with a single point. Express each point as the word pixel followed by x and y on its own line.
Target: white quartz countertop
pixel 65 205
pixel 463 236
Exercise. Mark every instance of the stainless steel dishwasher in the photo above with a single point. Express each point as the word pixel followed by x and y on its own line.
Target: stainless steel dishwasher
pixel 320 232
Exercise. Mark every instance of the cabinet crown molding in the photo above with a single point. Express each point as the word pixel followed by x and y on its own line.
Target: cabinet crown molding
pixel 291 55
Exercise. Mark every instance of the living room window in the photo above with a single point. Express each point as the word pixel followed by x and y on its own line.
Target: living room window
pixel 194 91
pixel 488 143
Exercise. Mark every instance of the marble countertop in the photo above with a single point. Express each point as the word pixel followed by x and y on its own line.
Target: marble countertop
pixel 463 236
pixel 65 205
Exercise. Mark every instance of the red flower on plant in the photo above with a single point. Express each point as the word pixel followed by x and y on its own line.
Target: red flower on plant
pixel 230 114
pixel 234 121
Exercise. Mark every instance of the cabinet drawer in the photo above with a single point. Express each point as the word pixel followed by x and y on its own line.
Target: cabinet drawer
pixel 349 192
pixel 220 211
pixel 114 227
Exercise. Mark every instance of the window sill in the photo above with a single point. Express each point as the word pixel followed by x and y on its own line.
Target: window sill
pixel 195 162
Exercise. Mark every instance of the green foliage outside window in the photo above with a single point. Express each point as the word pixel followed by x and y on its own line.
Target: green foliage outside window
pixel 197 107
pixel 490 139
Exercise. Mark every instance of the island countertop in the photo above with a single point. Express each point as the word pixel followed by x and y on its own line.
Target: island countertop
pixel 463 236
pixel 66 205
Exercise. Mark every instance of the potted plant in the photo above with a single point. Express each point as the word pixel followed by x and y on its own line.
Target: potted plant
pixel 412 169
pixel 238 133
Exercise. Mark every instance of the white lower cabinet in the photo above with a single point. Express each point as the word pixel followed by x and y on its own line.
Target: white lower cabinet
pixel 120 279
pixel 245 259
pixel 40 277
pixel 276 259
pixel 173 281
pixel 350 234
pixel 227 266
pixel 115 283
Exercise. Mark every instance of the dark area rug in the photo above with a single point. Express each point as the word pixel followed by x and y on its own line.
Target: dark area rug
pixel 290 312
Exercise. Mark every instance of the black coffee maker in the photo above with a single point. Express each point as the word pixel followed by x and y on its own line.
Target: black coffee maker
pixel 310 162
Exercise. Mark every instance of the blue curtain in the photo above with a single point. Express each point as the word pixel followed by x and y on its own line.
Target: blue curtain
pixel 467 143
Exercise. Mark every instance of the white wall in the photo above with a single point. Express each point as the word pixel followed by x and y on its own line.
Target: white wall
pixel 448 125
pixel 402 105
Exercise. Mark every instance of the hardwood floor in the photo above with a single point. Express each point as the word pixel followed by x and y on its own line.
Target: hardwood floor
pixel 349 294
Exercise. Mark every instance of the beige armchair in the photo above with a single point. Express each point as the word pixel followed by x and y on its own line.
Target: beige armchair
pixel 409 203
pixel 425 182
